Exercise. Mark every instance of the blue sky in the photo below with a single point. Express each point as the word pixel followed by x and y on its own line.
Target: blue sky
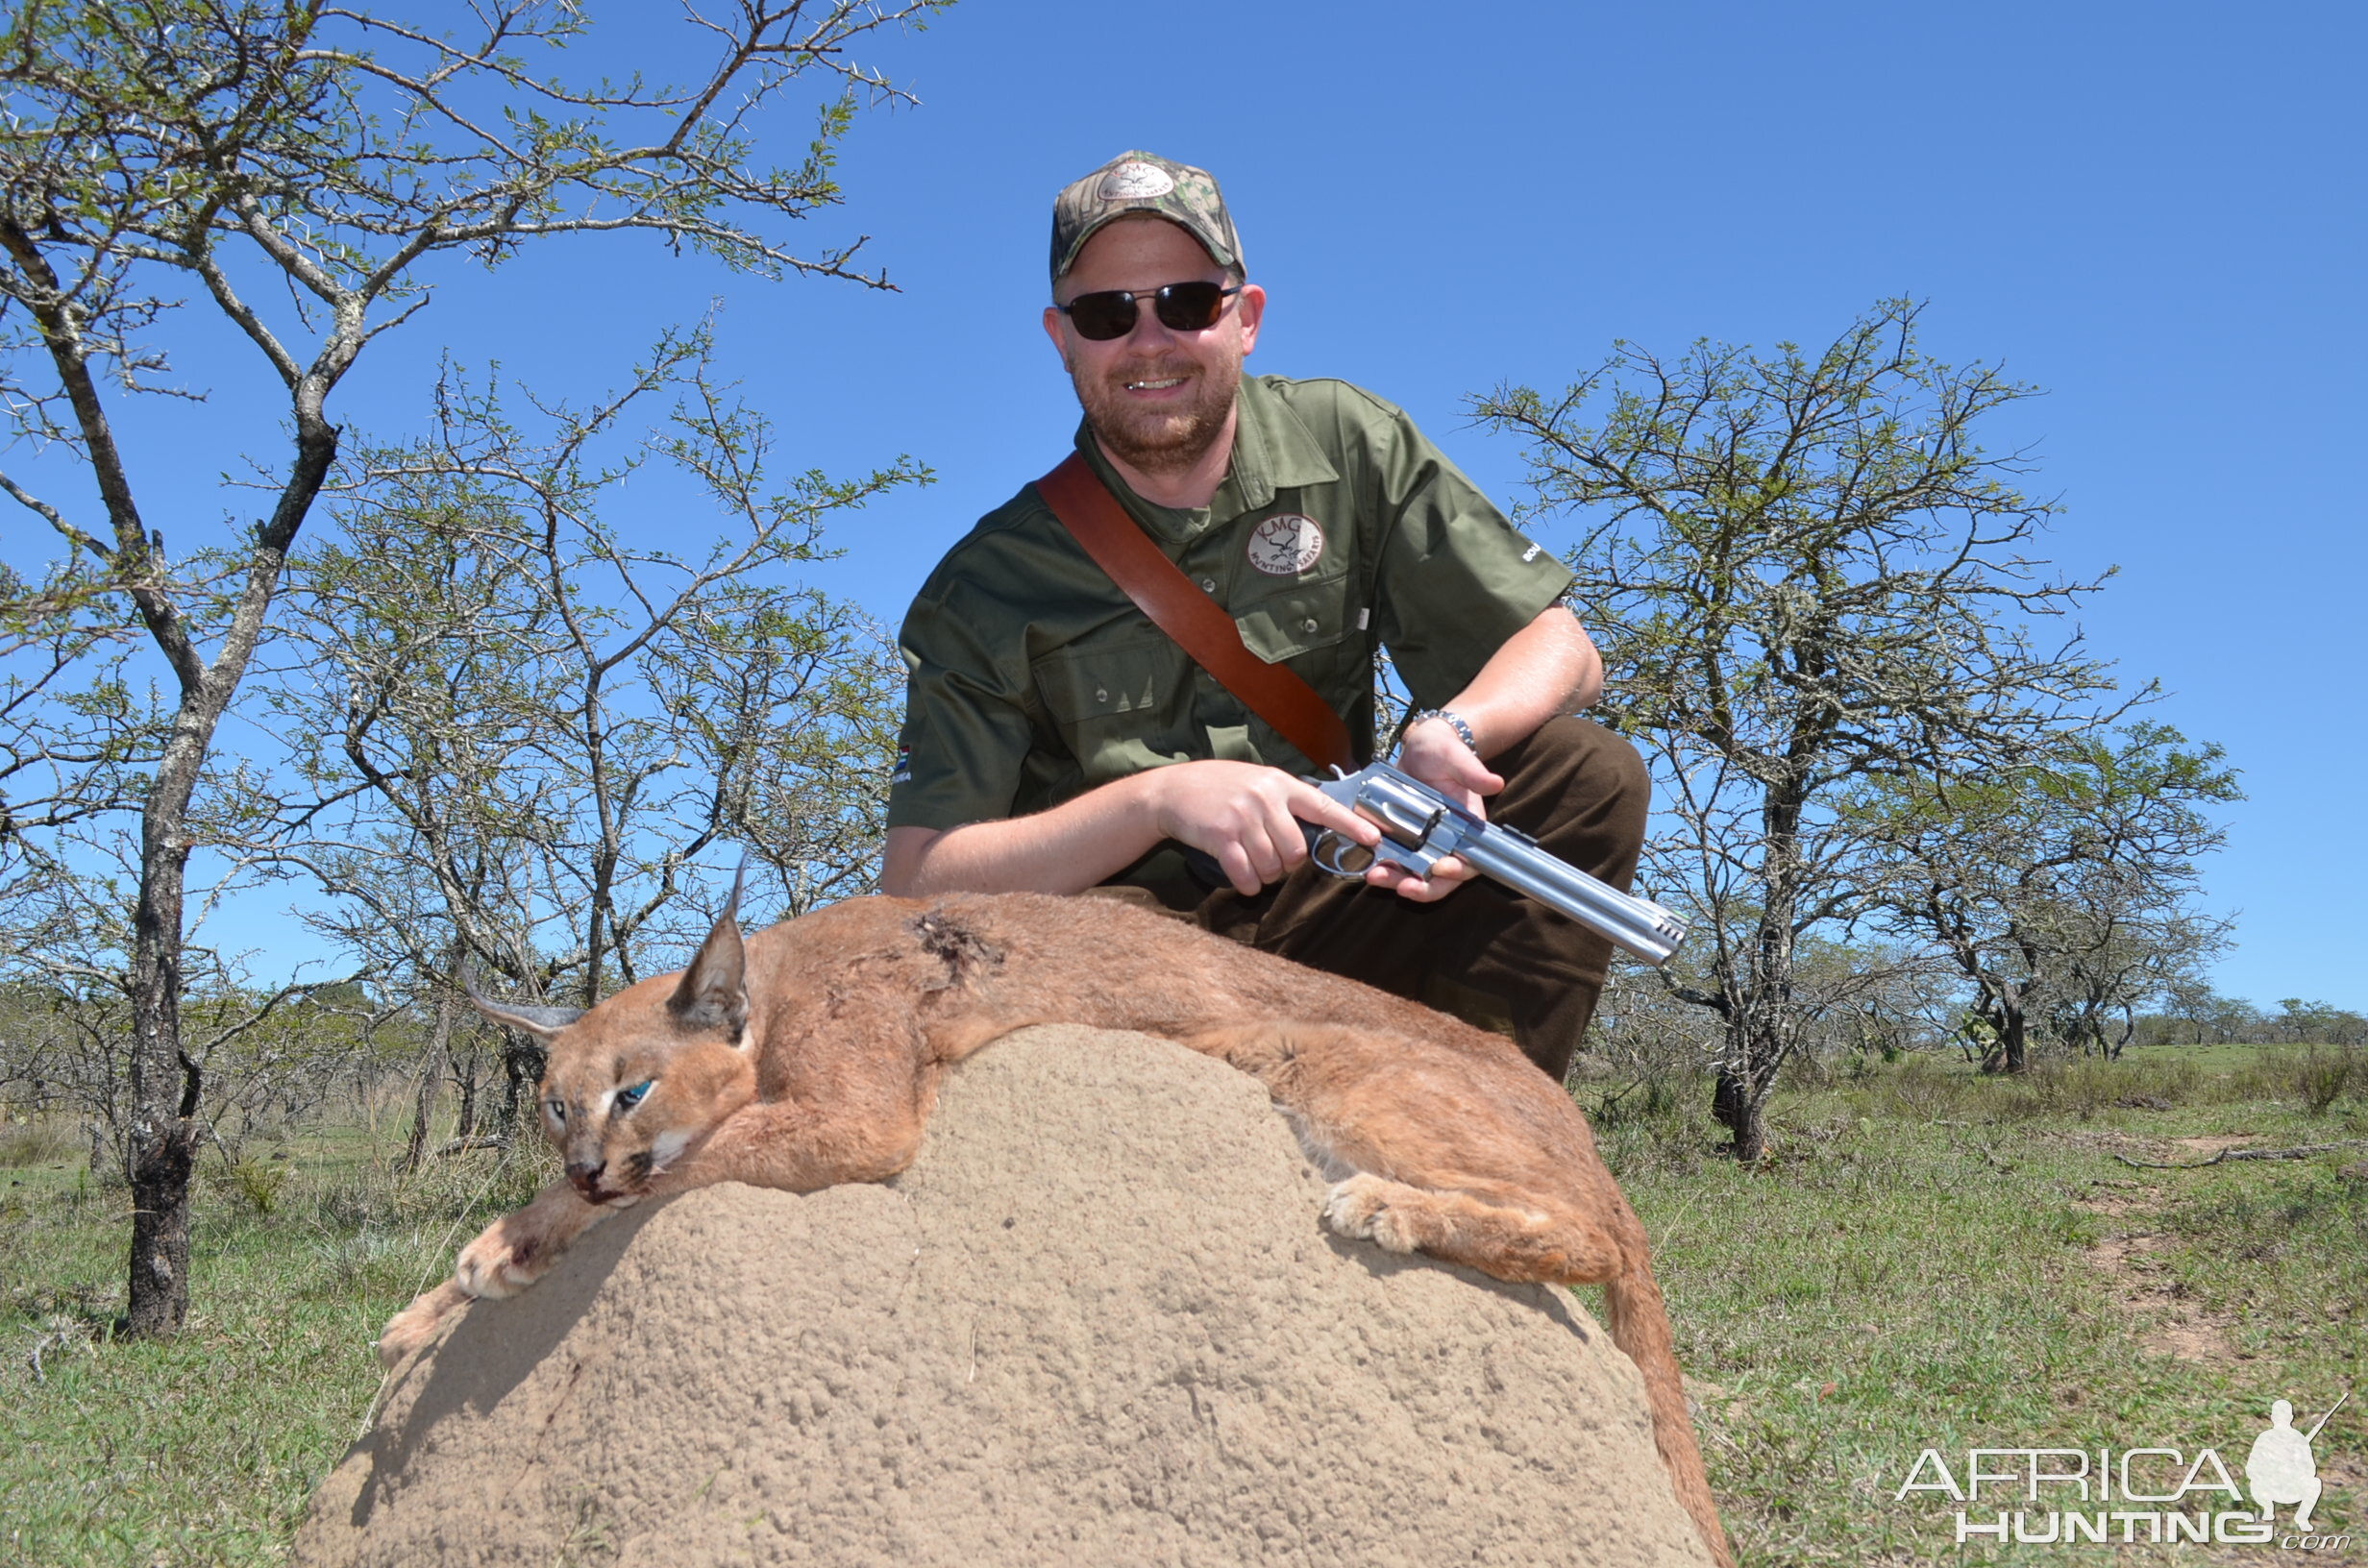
pixel 2152 211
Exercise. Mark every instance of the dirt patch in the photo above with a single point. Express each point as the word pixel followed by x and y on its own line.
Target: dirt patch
pixel 2144 1285
pixel 1097 1322
pixel 2140 1278
pixel 2121 1199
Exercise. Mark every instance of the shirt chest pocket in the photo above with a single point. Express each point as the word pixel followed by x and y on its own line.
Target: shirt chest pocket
pixel 1298 620
pixel 1114 707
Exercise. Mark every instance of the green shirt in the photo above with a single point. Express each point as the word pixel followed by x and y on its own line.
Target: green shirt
pixel 1337 526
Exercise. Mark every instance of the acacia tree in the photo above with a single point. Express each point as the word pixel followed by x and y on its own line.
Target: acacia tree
pixel 2321 1024
pixel 2059 884
pixel 1803 571
pixel 299 166
pixel 2130 949
pixel 63 942
pixel 541 720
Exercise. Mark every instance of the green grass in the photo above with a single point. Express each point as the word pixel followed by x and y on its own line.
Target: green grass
pixel 33 1143
pixel 205 1450
pixel 1915 1266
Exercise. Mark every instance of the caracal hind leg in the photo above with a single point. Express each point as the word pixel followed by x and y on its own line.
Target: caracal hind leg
pixel 1445 1157
pixel 1477 1158
pixel 1523 1245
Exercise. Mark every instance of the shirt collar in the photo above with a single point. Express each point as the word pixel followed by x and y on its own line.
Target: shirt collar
pixel 1272 451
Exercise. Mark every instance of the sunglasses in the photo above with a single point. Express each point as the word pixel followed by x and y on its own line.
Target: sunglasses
pixel 1181 307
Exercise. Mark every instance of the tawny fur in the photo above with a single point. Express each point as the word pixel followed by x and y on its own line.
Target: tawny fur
pixel 1452 1142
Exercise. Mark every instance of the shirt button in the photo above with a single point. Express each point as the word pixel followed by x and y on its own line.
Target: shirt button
pixel 1208 585
pixel 1308 625
pixel 1102 694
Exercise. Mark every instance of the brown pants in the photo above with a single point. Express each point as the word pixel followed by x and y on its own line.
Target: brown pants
pixel 1491 956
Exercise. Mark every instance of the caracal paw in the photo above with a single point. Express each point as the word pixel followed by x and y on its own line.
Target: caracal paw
pixel 1360 1209
pixel 417 1324
pixel 506 1257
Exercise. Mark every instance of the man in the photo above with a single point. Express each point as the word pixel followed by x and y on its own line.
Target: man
pixel 1057 741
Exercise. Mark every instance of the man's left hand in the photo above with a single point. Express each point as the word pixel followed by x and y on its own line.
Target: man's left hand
pixel 1436 755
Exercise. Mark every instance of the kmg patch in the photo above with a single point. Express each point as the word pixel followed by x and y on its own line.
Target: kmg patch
pixel 1286 546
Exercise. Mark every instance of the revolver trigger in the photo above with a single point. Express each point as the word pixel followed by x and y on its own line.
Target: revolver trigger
pixel 1341 856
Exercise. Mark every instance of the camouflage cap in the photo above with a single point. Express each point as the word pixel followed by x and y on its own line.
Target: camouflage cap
pixel 1140 182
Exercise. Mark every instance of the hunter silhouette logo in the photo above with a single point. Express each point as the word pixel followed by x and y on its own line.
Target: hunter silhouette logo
pixel 2280 1469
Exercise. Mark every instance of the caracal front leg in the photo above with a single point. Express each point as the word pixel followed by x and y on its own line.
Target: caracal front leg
pixel 509 1254
pixel 797 1147
pixel 518 1249
pixel 416 1324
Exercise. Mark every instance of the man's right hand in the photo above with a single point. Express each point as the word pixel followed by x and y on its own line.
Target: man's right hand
pixel 1246 817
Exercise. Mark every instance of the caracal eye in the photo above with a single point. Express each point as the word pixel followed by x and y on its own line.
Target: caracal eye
pixel 627 1098
pixel 557 1110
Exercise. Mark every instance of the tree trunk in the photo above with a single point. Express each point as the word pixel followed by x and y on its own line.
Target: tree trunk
pixel 430 1079
pixel 466 1126
pixel 1744 1115
pixel 2129 1031
pixel 162 1139
pixel 164 1136
pixel 163 1157
pixel 159 1290
pixel 1739 1103
pixel 522 1064
pixel 2012 1052
pixel 162 1146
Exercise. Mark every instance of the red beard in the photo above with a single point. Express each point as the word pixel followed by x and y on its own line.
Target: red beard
pixel 1161 438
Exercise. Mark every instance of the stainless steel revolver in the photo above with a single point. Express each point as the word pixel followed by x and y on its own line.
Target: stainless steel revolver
pixel 1420 826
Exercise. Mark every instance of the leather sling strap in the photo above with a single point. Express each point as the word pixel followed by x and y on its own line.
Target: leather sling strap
pixel 1197 622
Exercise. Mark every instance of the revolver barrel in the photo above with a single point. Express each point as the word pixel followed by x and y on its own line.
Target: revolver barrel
pixel 1638 924
pixel 1419 825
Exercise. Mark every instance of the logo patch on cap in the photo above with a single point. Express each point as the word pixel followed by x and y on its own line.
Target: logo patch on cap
pixel 1287 545
pixel 1132 181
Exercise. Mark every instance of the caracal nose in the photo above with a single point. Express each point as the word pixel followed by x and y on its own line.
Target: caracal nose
pixel 584 1173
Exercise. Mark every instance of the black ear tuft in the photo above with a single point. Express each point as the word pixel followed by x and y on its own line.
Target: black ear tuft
pixel 713 994
pixel 544 1023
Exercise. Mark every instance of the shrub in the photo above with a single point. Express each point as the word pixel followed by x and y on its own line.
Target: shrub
pixel 1918 1090
pixel 2081 1089
pixel 2177 1082
pixel 375 1263
pixel 2322 1077
pixel 2318 1077
pixel 257 1182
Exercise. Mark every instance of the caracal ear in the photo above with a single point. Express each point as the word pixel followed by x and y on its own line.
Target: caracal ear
pixel 544 1023
pixel 713 994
